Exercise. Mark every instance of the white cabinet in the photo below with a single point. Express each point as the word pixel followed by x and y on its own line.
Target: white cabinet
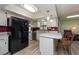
pixel 46 42
pixel 3 18
pixel 46 46
pixel 3 44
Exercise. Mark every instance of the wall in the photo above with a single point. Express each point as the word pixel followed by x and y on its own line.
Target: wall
pixel 68 24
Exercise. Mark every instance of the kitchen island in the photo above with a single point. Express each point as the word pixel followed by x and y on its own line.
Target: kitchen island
pixel 46 42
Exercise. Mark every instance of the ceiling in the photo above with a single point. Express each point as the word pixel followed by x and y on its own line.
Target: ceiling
pixel 56 10
pixel 64 10
pixel 61 10
pixel 43 8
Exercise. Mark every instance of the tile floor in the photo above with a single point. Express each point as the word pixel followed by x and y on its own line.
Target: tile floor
pixel 32 49
pixel 74 49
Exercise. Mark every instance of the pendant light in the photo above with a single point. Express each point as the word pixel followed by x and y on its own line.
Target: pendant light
pixel 48 17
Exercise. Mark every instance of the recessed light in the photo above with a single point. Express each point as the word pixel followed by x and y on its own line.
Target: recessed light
pixel 30 8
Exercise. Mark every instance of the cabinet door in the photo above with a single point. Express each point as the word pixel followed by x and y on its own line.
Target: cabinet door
pixel 3 46
pixel 3 18
pixel 46 46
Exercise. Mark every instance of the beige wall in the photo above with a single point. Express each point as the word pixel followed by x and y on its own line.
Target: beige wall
pixel 68 24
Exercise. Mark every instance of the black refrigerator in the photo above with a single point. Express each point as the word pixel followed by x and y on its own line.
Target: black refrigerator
pixel 19 37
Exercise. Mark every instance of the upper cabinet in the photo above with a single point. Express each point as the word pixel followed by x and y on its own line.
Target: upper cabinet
pixel 3 18
pixel 18 9
pixel 47 10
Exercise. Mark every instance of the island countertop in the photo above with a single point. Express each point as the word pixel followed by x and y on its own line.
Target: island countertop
pixel 47 42
pixel 52 35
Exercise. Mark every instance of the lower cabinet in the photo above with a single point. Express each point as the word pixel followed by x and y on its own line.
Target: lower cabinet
pixel 46 46
pixel 3 44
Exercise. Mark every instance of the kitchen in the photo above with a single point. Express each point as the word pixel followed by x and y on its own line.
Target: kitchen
pixel 35 26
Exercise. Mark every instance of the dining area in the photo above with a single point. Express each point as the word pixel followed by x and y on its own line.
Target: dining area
pixel 63 45
pixel 55 43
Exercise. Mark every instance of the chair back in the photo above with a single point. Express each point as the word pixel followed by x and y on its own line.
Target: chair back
pixel 68 37
pixel 68 34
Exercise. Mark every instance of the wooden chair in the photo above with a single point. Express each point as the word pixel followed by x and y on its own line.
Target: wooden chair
pixel 66 41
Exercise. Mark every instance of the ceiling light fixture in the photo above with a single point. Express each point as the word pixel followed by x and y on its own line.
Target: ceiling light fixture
pixel 51 20
pixel 72 16
pixel 73 28
pixel 48 18
pixel 30 8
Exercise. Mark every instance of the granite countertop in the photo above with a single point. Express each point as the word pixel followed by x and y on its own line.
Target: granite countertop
pixel 53 35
